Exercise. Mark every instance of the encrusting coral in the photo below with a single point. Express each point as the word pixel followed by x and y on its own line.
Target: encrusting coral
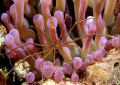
pixel 94 32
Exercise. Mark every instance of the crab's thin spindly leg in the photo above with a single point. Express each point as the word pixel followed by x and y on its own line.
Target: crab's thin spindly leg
pixel 29 43
pixel 45 36
pixel 88 35
pixel 74 26
pixel 25 59
pixel 54 58
pixel 46 56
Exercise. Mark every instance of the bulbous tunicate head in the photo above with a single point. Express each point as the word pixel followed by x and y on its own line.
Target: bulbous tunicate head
pixel 9 40
pixel 89 59
pixel 4 17
pixel 38 19
pixel 88 22
pixel 92 28
pixel 115 42
pixel 83 67
pixel 74 78
pixel 30 77
pixel 98 55
pixel 103 51
pixel 48 71
pixel 100 24
pixel 58 76
pixel 103 41
pixel 108 45
pixel 38 64
pixel 57 61
pixel 15 33
pixel 59 16
pixel 77 62
pixel 68 68
pixel 12 10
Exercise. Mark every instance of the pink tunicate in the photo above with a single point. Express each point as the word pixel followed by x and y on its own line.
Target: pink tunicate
pixel 83 67
pixel 58 76
pixel 48 71
pixel 30 77
pixel 115 42
pixel 89 21
pixel 117 35
pixel 59 16
pixel 15 34
pixel 57 61
pixel 9 40
pixel 74 77
pixel 68 68
pixel 38 63
pixel 77 62
pixel 6 19
pixel 89 59
pixel 103 51
pixel 108 45
pixel 103 41
pixel 98 55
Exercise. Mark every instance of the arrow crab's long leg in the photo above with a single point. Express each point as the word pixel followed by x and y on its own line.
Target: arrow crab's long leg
pixel 25 59
pixel 82 55
pixel 29 43
pixel 88 35
pixel 45 36
pixel 82 36
pixel 54 58
pixel 74 26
